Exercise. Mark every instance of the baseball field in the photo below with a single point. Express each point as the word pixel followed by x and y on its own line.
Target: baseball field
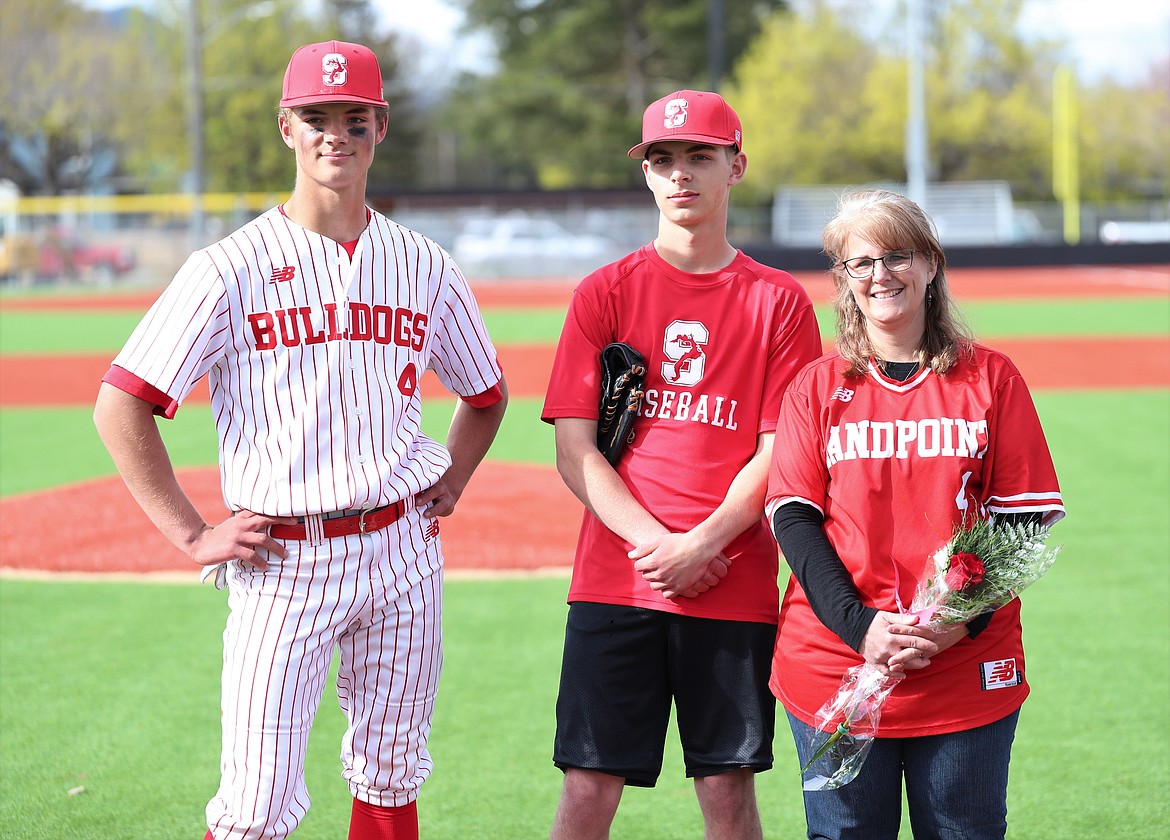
pixel 109 651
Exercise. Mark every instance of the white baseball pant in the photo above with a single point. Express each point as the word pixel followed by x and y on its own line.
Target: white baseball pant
pixel 376 597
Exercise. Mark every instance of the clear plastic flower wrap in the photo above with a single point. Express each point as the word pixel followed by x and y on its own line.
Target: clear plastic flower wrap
pixel 845 728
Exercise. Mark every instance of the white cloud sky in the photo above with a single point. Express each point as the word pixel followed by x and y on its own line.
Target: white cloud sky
pixel 1118 38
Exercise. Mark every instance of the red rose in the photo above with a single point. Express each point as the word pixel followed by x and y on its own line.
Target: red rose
pixel 963 570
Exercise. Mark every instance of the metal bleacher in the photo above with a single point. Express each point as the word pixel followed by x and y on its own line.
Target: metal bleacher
pixel 965 213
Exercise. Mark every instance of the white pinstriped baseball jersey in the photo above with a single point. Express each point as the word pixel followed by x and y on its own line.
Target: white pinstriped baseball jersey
pixel 314 360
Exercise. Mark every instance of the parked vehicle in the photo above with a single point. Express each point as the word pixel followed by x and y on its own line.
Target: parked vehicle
pixel 18 256
pixel 62 254
pixel 65 253
pixel 519 245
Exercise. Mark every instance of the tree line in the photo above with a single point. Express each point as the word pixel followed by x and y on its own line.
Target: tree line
pixel 94 99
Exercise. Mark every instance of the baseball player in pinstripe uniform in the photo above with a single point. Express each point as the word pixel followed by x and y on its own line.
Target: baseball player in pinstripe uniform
pixel 314 324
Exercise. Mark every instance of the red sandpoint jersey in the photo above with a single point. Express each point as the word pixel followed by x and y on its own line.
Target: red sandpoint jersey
pixel 720 349
pixel 314 360
pixel 893 466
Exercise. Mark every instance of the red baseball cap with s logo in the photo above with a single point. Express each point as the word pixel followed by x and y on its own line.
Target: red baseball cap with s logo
pixel 332 71
pixel 696 115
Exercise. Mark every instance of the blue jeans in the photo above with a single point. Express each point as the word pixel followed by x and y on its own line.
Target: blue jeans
pixel 956 787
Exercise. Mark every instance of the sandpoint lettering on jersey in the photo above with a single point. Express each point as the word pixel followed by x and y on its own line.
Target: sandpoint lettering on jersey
pixel 299 325
pixel 931 437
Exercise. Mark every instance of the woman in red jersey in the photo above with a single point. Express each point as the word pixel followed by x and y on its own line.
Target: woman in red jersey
pixel 907 429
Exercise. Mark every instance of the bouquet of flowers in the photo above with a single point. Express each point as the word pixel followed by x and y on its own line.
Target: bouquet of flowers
pixel 983 566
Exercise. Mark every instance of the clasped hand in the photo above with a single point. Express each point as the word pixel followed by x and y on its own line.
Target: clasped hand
pixel 674 566
pixel 897 643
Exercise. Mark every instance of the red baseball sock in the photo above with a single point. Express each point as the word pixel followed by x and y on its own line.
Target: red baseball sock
pixel 371 822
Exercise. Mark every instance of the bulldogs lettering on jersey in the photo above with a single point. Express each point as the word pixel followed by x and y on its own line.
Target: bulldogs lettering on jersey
pixel 356 321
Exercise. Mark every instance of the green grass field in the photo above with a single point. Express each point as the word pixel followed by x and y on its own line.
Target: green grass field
pixel 102 331
pixel 109 690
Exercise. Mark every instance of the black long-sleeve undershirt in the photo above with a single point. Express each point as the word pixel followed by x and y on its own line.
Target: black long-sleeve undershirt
pixel 800 532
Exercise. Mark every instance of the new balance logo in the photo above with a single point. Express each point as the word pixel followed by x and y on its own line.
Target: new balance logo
pixel 842 394
pixel 432 530
pixel 288 272
pixel 1001 673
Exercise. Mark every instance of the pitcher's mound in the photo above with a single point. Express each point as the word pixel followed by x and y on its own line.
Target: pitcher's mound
pixel 512 517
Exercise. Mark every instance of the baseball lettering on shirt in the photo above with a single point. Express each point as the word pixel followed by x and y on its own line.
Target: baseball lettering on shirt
pixel 669 404
pixel 930 437
pixel 298 325
pixel 684 346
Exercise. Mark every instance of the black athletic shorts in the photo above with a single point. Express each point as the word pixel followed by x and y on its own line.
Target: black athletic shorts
pixel 622 667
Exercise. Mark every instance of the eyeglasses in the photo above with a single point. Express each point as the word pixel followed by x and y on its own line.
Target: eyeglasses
pixel 862 267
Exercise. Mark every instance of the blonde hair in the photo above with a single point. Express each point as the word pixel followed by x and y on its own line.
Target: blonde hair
pixel 891 221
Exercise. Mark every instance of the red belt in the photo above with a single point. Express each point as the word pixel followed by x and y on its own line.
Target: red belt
pixel 360 522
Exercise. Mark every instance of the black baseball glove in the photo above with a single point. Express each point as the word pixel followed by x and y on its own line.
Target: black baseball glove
pixel 623 377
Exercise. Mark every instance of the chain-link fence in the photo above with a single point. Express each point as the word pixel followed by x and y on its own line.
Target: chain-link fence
pixel 142 240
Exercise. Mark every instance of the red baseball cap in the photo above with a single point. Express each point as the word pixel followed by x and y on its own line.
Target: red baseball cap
pixel 695 115
pixel 332 71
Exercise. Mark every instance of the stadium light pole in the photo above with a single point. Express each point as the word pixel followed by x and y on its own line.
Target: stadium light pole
pixel 916 138
pixel 196 116
pixel 715 43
